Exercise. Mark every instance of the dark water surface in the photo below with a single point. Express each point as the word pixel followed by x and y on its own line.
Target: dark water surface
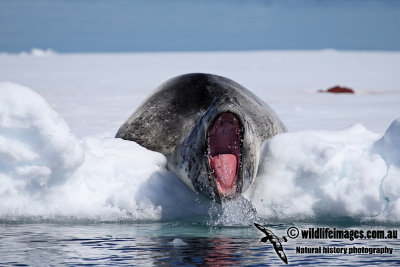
pixel 175 243
pixel 192 25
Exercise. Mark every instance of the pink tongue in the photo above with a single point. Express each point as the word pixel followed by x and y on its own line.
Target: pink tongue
pixel 224 167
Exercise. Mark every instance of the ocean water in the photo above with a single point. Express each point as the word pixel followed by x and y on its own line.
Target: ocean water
pixel 190 25
pixel 181 243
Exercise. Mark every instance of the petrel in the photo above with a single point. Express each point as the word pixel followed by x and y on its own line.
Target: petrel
pixel 275 241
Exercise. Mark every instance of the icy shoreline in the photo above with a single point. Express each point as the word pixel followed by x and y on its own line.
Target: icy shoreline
pixel 47 172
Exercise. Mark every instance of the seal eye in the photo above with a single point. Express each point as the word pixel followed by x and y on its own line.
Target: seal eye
pixel 220 122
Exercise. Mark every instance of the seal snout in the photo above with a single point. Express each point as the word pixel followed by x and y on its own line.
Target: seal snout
pixel 224 152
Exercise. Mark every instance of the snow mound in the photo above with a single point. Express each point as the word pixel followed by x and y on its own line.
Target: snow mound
pixel 46 173
pixel 389 148
pixel 323 174
pixel 36 146
pixel 389 145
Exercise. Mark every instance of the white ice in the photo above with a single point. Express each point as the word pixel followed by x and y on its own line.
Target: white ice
pixel 339 158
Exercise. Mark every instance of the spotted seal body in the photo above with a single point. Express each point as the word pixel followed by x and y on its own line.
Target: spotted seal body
pixel 209 127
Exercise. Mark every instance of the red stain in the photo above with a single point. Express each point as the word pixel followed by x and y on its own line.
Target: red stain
pixel 339 90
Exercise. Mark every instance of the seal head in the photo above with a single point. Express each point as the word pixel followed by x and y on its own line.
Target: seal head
pixel 209 128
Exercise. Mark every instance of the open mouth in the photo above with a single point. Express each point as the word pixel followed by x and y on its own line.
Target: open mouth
pixel 224 152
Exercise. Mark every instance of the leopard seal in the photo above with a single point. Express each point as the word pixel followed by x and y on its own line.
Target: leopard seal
pixel 209 128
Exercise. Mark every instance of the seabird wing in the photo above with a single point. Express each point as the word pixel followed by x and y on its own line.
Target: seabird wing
pixel 262 228
pixel 279 249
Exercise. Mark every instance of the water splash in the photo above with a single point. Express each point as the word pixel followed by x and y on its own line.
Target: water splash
pixel 235 212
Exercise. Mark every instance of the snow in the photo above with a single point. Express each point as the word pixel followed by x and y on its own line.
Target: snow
pixel 34 138
pixel 59 158
pixel 37 52
pixel 324 174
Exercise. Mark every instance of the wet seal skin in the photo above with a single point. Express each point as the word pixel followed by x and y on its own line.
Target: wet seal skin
pixel 209 128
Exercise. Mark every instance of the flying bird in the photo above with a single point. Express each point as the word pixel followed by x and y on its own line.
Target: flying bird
pixel 275 241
